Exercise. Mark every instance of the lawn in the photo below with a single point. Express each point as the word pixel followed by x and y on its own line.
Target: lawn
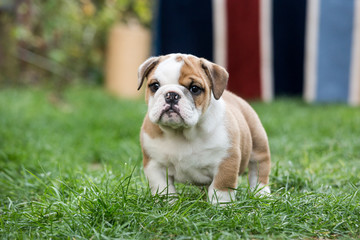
pixel 72 169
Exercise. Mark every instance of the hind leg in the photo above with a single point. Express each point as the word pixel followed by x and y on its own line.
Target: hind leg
pixel 259 170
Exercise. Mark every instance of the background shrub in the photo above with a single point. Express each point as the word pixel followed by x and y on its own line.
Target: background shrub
pixel 60 41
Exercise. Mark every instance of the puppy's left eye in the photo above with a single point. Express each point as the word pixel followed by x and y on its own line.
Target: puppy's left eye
pixel 195 90
pixel 154 86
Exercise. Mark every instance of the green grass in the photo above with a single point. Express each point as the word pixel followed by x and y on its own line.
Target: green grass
pixel 73 170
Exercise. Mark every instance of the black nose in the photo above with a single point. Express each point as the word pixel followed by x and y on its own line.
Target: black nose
pixel 172 98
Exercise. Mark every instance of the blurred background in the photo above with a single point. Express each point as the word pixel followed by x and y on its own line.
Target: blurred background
pixel 62 42
pixel 271 48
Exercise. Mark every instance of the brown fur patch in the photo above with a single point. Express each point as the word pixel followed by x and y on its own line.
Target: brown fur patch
pixel 227 175
pixel 191 73
pixel 146 157
pixel 153 131
pixel 253 136
pixel 247 136
pixel 264 165
pixel 217 75
pixel 178 58
pixel 238 152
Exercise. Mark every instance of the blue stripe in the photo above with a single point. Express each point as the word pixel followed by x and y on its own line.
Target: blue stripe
pixel 334 51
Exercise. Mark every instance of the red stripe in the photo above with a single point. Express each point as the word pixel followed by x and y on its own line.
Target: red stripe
pixel 243 48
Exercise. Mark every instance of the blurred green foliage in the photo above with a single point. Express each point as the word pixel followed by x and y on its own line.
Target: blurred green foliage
pixel 61 40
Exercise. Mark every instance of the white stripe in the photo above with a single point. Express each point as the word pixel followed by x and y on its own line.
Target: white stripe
pixel 354 96
pixel 266 67
pixel 312 26
pixel 168 71
pixel 220 32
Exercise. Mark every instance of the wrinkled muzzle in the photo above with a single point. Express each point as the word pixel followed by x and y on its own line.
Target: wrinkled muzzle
pixel 173 106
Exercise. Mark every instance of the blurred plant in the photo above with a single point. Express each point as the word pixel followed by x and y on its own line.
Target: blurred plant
pixel 62 40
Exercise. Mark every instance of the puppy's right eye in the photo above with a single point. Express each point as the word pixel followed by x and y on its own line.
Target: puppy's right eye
pixel 154 86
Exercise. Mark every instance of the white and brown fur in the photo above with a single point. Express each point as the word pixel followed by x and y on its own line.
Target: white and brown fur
pixel 214 139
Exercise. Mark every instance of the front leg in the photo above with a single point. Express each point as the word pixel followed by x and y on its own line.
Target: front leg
pixel 159 180
pixel 222 189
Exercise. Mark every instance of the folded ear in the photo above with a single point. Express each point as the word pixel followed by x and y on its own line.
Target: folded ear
pixel 145 68
pixel 217 75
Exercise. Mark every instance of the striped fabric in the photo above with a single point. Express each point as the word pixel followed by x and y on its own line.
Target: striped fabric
pixel 184 26
pixel 354 95
pixel 288 30
pixel 243 47
pixel 332 54
pixel 270 47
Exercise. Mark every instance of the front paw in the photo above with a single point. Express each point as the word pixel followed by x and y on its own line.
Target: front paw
pixel 261 190
pixel 170 198
pixel 217 196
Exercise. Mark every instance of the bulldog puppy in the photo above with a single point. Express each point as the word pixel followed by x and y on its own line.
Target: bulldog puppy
pixel 197 132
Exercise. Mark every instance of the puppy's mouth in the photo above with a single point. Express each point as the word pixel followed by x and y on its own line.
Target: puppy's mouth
pixel 171 116
pixel 171 110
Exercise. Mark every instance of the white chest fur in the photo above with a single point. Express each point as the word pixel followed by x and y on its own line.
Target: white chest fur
pixel 194 156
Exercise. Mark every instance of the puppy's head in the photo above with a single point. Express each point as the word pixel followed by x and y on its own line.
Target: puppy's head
pixel 180 88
